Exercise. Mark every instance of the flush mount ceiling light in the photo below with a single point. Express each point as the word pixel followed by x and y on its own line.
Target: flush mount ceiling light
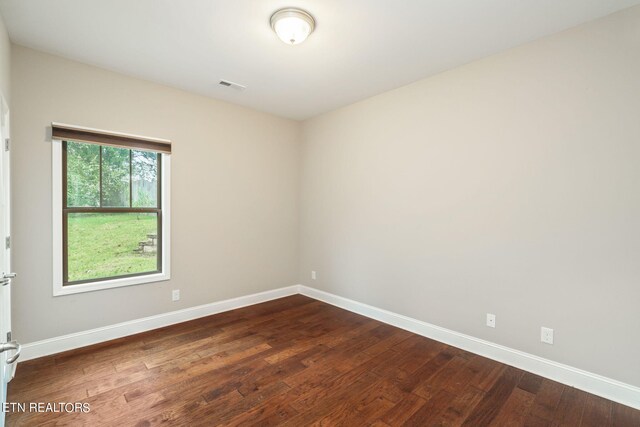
pixel 292 25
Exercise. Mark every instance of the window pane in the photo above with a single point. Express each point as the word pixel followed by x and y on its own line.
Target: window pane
pixel 115 177
pixel 104 245
pixel 144 176
pixel 83 175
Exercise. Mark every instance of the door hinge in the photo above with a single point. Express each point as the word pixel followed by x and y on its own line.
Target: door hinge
pixel 7 242
pixel 7 142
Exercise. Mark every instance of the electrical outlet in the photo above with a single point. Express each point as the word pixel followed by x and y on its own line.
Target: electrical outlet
pixel 546 335
pixel 313 275
pixel 175 294
pixel 491 320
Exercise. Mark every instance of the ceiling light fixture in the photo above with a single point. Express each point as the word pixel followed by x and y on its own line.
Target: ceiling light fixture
pixel 292 25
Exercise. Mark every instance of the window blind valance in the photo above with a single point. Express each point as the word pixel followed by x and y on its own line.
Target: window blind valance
pixel 95 136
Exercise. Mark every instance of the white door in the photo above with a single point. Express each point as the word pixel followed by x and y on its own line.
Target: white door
pixel 9 350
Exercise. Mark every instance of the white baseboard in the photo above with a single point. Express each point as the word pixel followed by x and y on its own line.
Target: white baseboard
pixel 608 388
pixel 119 330
pixel 596 384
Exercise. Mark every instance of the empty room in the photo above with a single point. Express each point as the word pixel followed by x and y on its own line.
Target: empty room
pixel 354 213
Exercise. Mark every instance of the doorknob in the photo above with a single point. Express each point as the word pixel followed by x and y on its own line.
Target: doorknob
pixel 6 278
pixel 12 345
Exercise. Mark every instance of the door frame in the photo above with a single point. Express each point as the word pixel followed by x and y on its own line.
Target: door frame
pixel 6 371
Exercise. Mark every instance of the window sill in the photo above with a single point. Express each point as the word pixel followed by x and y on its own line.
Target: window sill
pixel 109 284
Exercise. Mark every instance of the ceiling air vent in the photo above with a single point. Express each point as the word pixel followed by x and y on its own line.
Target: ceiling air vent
pixel 232 85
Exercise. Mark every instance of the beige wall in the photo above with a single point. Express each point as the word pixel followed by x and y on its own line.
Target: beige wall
pixel 234 193
pixel 5 61
pixel 509 185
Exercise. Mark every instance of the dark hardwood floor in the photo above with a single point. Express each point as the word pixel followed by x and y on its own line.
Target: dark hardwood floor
pixel 296 361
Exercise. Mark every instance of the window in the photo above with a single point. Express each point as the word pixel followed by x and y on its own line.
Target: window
pixel 110 210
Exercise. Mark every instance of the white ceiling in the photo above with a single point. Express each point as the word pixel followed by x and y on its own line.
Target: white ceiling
pixel 360 47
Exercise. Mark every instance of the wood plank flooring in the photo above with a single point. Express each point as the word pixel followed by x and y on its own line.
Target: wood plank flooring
pixel 296 362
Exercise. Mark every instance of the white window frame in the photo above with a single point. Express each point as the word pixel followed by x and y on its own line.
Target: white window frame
pixel 165 274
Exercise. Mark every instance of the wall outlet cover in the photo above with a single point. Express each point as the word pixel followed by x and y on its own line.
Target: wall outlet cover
pixel 491 320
